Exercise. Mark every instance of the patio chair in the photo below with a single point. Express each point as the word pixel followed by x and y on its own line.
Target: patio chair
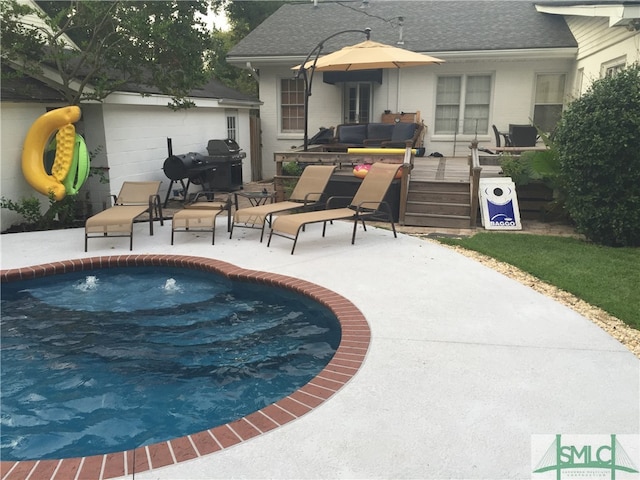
pixel 200 215
pixel 498 134
pixel 368 203
pixel 134 200
pixel 306 194
pixel 523 135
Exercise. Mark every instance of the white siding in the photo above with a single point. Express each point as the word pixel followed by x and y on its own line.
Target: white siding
pixel 512 100
pixel 136 139
pixel 16 118
pixel 598 44
pixel 125 136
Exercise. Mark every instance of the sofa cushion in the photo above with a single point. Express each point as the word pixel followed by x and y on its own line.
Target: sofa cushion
pixel 352 133
pixel 380 131
pixel 403 131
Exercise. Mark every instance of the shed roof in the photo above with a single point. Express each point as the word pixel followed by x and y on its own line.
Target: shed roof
pixel 213 89
pixel 19 87
pixel 424 26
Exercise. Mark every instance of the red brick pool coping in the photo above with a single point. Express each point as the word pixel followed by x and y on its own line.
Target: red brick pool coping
pixel 343 366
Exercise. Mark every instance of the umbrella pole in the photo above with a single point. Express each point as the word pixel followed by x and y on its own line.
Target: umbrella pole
pixel 308 79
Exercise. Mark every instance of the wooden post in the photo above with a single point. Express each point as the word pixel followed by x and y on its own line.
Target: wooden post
pixel 474 184
pixel 404 192
pixel 407 166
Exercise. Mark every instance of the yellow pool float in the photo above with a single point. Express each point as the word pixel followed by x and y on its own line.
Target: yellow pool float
pixel 71 164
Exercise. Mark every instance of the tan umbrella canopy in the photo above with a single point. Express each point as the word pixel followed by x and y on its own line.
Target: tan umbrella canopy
pixel 369 55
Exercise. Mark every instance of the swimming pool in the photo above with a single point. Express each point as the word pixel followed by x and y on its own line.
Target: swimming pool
pixel 112 359
pixel 348 357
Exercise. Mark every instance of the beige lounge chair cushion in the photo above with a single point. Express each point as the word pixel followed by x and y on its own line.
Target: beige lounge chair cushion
pixel 257 215
pixel 290 224
pixel 369 196
pixel 137 193
pixel 195 218
pixel 311 184
pixel 204 205
pixel 118 219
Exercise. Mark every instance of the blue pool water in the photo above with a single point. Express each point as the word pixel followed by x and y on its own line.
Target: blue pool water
pixel 109 360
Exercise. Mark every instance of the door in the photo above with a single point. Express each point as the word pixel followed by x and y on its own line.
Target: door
pixel 357 102
pixel 256 147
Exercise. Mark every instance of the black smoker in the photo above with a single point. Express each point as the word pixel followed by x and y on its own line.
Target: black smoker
pixel 221 170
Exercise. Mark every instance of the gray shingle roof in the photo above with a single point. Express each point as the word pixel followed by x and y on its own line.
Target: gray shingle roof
pixel 19 88
pixel 429 26
pixel 29 89
pixel 212 89
pixel 577 3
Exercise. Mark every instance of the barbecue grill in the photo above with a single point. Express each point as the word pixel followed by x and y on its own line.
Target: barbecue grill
pixel 220 170
pixel 227 158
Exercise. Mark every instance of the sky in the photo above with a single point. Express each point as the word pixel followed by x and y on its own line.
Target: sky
pixel 217 20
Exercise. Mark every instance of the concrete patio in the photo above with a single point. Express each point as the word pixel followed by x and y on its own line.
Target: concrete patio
pixel 464 366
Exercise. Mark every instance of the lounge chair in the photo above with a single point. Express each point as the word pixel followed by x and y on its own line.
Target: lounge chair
pixel 200 215
pixel 134 200
pixel 307 193
pixel 368 203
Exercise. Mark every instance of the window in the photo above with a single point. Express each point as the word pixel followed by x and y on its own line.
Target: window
pixel 613 67
pixel 232 121
pixel 291 105
pixel 465 97
pixel 357 102
pixel 549 97
pixel 579 82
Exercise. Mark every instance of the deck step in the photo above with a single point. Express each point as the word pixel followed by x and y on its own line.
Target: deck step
pixel 439 197
pixel 445 204
pixel 433 220
pixel 435 186
pixel 438 208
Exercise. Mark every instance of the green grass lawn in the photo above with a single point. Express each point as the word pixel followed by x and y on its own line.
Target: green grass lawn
pixel 606 277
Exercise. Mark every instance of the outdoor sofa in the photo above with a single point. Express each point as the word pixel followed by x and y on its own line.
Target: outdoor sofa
pixel 375 135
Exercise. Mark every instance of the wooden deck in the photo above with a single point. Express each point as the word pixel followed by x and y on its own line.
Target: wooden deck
pixel 437 191
pixel 440 169
pixel 446 169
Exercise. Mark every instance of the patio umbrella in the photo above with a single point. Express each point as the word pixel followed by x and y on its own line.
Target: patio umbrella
pixel 369 55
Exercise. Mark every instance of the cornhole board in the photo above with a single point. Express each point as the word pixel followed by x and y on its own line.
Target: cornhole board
pixel 499 204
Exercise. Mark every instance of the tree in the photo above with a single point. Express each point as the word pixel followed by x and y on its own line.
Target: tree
pixel 238 78
pixel 598 142
pixel 157 44
pixel 243 17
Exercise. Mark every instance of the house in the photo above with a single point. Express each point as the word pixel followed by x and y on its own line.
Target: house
pixel 506 61
pixel 126 134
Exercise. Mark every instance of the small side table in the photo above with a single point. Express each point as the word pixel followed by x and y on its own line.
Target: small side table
pixel 255 198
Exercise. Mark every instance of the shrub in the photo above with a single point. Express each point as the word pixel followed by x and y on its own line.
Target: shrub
pixel 292 169
pixel 518 168
pixel 539 167
pixel 30 210
pixel 598 143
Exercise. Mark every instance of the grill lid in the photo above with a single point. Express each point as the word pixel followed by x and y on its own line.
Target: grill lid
pixel 222 147
pixel 177 167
